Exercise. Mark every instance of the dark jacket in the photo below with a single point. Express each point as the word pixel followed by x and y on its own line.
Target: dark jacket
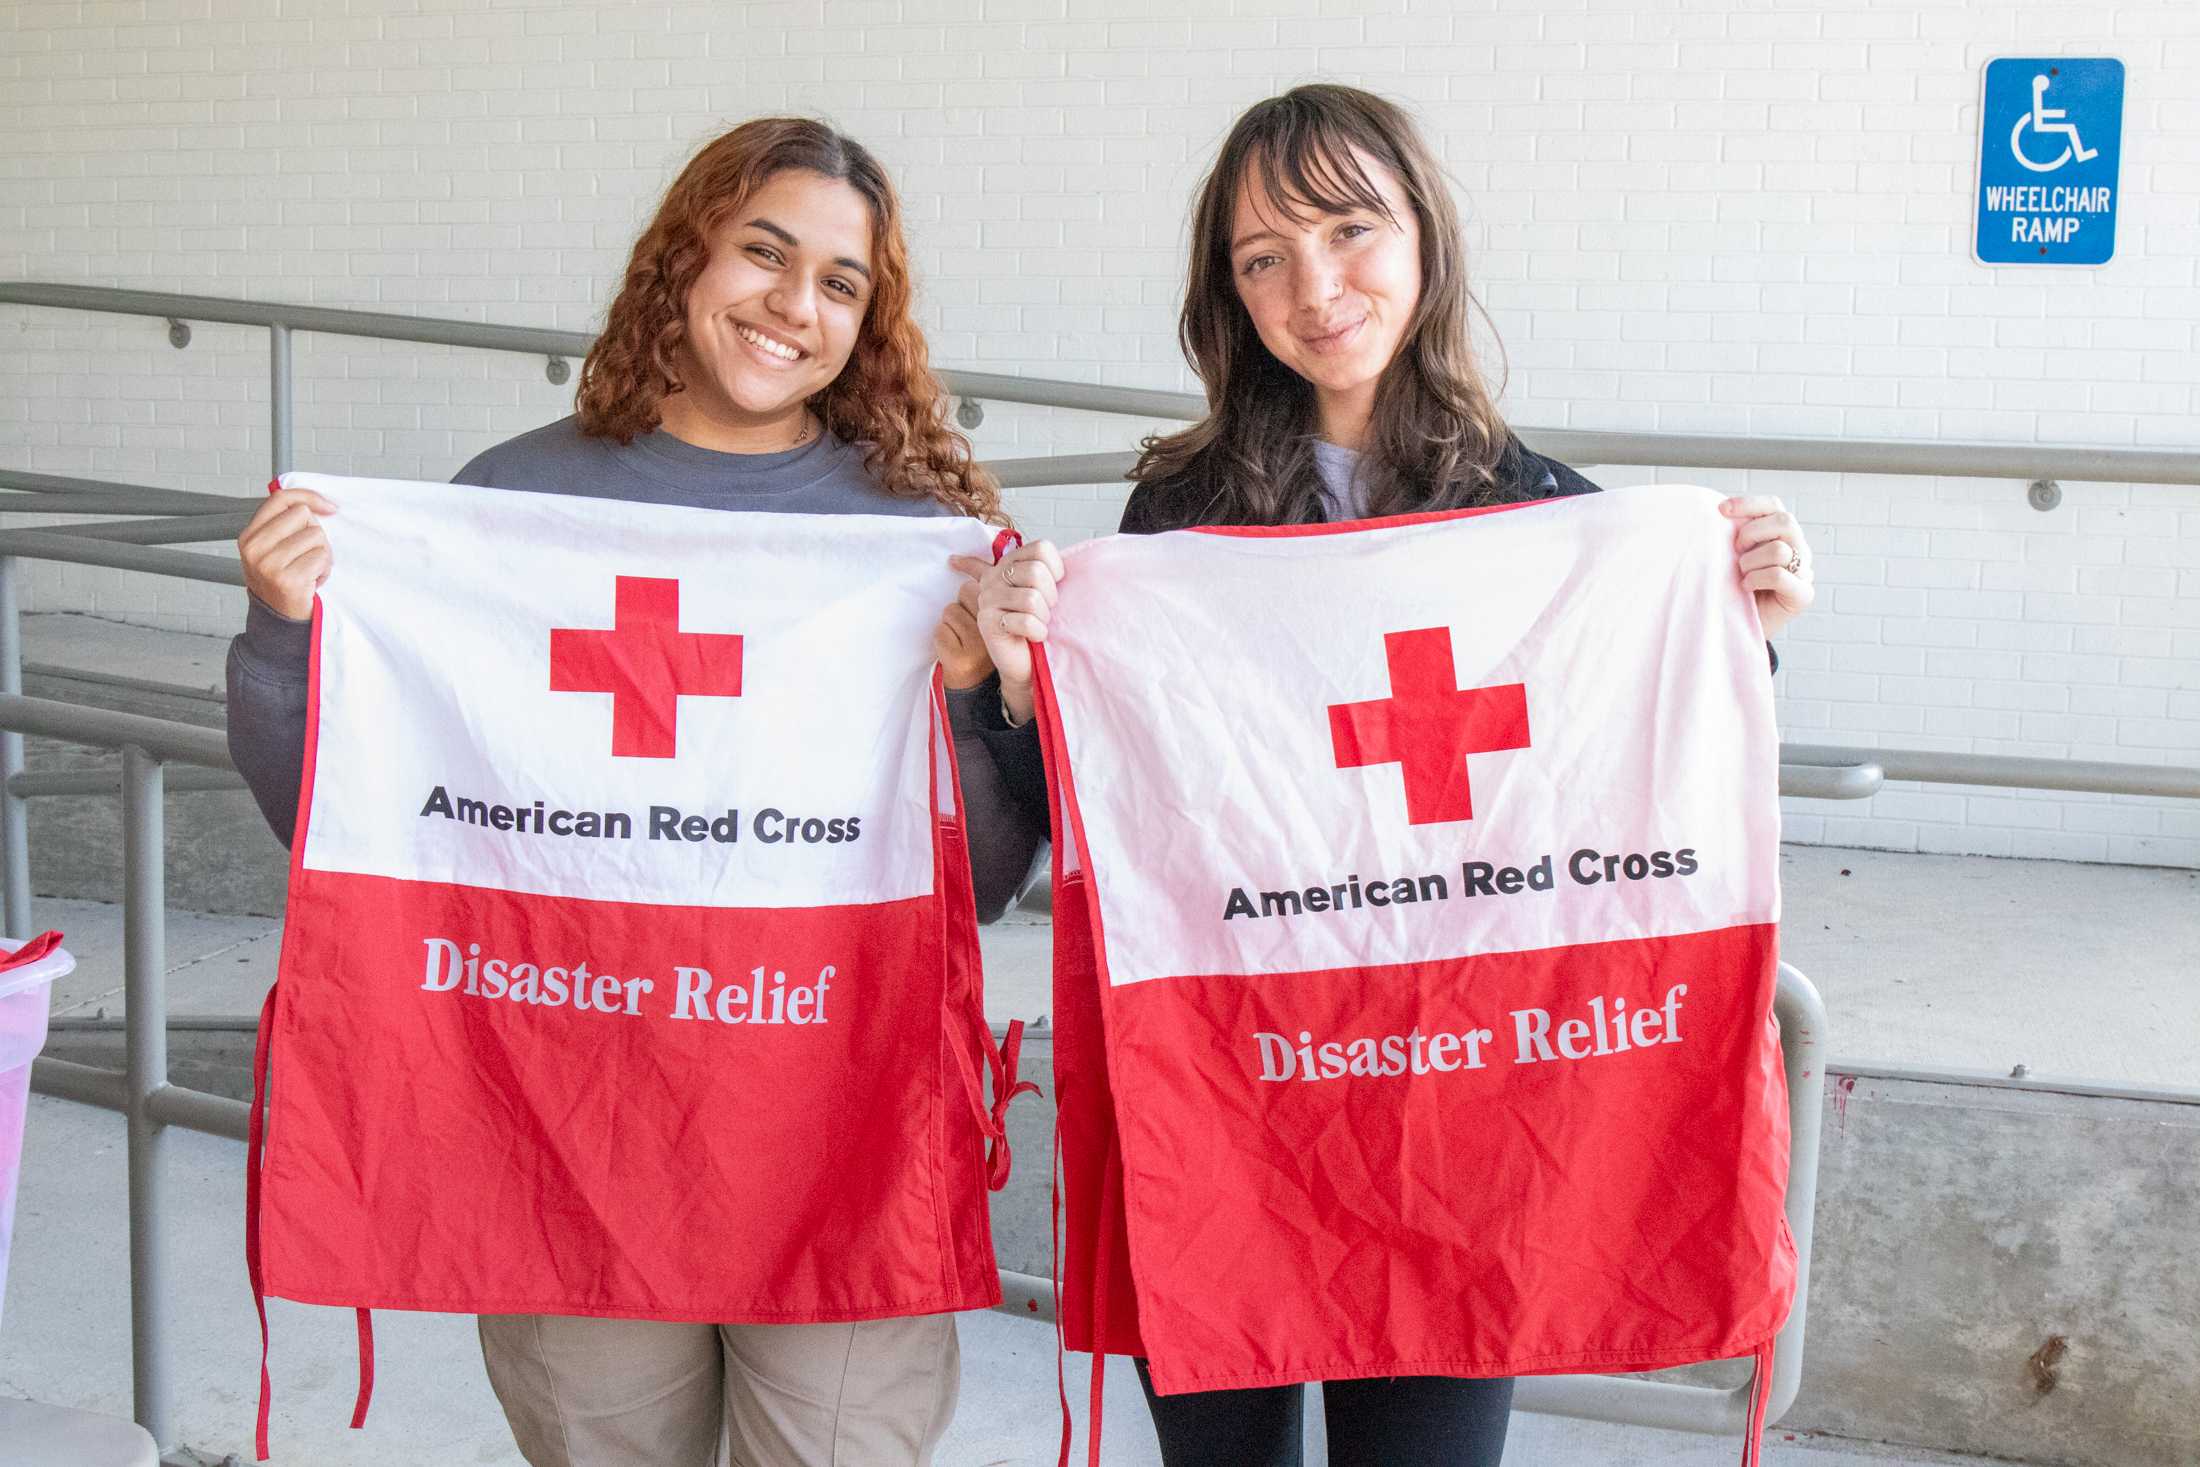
pixel 1522 474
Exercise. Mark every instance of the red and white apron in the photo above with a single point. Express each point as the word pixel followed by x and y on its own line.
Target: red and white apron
pixel 1415 918
pixel 630 966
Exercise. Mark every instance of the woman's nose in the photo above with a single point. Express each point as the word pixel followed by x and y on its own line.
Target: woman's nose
pixel 1318 283
pixel 792 301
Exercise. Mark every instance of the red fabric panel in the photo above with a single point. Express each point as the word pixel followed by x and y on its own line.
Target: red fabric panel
pixel 440 1150
pixel 1600 1211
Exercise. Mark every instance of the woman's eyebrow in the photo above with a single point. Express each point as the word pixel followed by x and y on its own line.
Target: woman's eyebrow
pixel 792 243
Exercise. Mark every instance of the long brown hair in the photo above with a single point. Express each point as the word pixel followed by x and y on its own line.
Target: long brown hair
pixel 885 398
pixel 1435 441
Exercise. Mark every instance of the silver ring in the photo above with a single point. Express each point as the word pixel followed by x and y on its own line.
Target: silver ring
pixel 1794 567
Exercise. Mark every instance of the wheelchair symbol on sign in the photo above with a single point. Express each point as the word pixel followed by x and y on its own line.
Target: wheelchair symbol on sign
pixel 2043 119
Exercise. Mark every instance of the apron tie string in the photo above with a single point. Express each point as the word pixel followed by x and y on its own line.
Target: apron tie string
pixel 1002 1060
pixel 1760 1401
pixel 254 1144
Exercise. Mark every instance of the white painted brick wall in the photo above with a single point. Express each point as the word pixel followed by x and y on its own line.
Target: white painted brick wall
pixel 1682 218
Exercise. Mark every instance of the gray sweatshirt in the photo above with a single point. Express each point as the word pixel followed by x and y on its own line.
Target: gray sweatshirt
pixel 268 663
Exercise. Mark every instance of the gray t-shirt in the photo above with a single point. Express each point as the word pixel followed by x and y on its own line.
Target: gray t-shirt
pixel 268 664
pixel 825 476
pixel 1344 491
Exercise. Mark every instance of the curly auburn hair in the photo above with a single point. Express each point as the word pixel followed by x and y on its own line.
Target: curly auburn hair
pixel 886 398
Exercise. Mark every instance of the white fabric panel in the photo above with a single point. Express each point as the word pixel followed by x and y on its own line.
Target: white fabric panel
pixel 435 672
pixel 1195 672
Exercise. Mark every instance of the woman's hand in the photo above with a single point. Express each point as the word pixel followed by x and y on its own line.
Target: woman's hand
pixel 1773 558
pixel 955 641
pixel 286 552
pixel 1013 601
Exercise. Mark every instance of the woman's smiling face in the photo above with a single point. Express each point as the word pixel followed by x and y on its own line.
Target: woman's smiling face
pixel 1331 294
pixel 774 316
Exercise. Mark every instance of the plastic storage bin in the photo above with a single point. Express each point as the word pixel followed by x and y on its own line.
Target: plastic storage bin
pixel 24 995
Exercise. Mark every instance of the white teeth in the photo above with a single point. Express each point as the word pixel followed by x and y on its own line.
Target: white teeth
pixel 784 353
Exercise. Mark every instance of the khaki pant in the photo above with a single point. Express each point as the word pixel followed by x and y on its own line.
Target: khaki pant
pixel 639 1393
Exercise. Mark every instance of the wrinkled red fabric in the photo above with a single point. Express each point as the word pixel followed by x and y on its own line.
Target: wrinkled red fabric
pixel 31 951
pixel 502 1157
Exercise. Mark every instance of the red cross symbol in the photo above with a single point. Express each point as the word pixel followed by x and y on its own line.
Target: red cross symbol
pixel 645 662
pixel 1429 725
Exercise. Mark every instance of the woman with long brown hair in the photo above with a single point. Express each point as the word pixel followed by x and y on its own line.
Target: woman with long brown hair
pixel 1327 314
pixel 760 356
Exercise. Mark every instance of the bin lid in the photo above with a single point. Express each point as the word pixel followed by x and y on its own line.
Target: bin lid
pixel 35 1434
pixel 58 964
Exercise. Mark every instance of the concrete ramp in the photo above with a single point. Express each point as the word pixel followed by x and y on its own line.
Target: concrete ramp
pixel 2007 1272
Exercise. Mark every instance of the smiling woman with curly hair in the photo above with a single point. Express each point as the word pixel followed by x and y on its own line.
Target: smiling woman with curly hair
pixel 664 338
pixel 760 356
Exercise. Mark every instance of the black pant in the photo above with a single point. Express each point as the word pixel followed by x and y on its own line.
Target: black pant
pixel 1409 1421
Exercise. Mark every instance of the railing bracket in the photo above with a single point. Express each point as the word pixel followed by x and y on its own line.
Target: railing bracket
pixel 179 333
pixel 2043 495
pixel 558 370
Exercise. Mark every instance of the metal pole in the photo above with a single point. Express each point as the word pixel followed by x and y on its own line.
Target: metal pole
pixel 164 739
pixel 78 492
pixel 2007 771
pixel 102 782
pixel 278 394
pixel 1802 1018
pixel 219 570
pixel 193 529
pixel 15 839
pixel 145 1008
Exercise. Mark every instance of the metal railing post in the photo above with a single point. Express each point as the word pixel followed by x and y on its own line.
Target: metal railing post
pixel 145 1013
pixel 279 396
pixel 1803 1038
pixel 15 838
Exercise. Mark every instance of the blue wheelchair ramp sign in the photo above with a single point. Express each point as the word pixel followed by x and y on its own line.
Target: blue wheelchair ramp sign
pixel 2050 138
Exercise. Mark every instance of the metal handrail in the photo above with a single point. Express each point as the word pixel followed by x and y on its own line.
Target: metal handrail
pixel 164 739
pixel 326 320
pixel 76 494
pixel 2005 771
pixel 1723 451
pixel 1695 450
pixel 182 529
pixel 105 782
pixel 53 544
pixel 1846 781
